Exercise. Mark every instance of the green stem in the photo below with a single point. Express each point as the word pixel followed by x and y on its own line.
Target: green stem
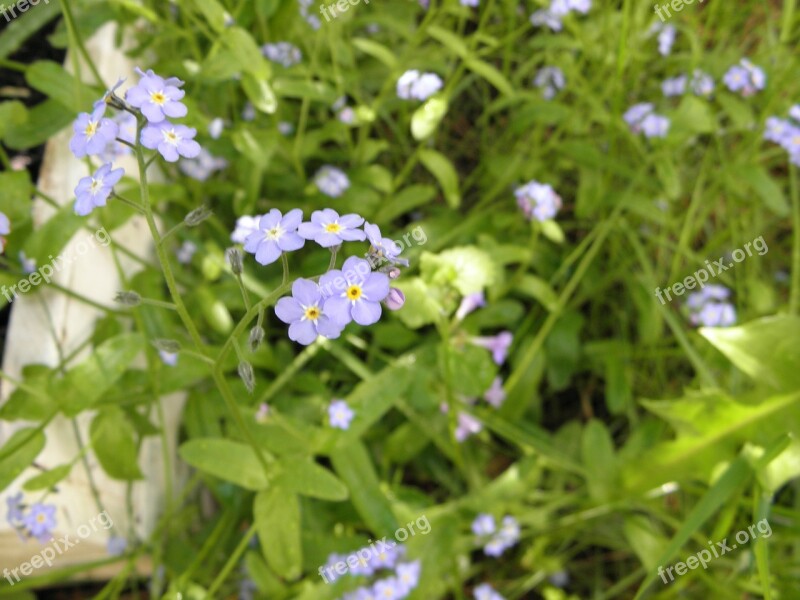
pixel 232 561
pixel 794 297
pixel 73 33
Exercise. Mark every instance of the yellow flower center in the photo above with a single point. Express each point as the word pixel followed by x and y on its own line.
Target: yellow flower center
pixel 274 233
pixel 313 313
pixel 40 518
pixel 158 98
pixel 95 185
pixel 354 292
pixel 796 140
pixel 333 228
pixel 91 129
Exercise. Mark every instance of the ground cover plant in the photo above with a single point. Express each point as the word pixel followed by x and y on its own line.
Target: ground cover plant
pixel 470 299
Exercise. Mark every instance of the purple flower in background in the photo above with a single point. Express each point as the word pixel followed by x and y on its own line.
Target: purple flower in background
pixel 655 126
pixel 581 6
pixel 470 303
pixel 675 86
pixel 777 130
pixel 641 119
pixel 709 307
pixel 186 252
pixel 328 229
pixel 483 525
pixel 276 234
pixel 340 414
pixel 263 412
pixel 485 592
pixel 305 314
pixel 418 86
pixel 283 53
pixel 245 225
pixel 116 545
pixel 666 39
pixel 405 82
pixel 745 78
pixel 5 229
pixel 168 358
pixel 546 18
pixel 202 167
pixel 40 521
pixel 126 131
pixel 467 426
pixel 470 3
pixel 505 538
pixel 702 83
pixel 15 508
pixel 634 115
pixel 538 200
pixel 92 133
pixel 28 264
pixel 550 80
pixel 331 181
pixel 171 141
pixel 355 293
pixel 93 191
pixel 407 575
pixel 156 97
pixel 387 589
pixel 794 112
pixel 495 395
pixel 498 345
pixel 215 128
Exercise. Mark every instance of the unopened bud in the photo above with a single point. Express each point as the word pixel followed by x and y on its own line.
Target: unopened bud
pixel 197 216
pixel 235 260
pixel 247 375
pixel 170 346
pixel 256 337
pixel 395 300
pixel 128 298
pixel 393 273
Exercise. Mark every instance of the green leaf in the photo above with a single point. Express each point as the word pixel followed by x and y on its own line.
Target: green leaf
pixel 33 401
pixel 472 369
pixel 19 30
pixel 277 519
pixel 597 451
pixel 25 446
pixel 405 201
pixel 11 113
pixel 376 50
pixel 44 121
pixel 290 87
pixel 354 465
pixel 51 79
pixel 305 477
pixel 260 93
pixel 694 116
pixel 768 350
pixel 538 289
pixel 427 117
pixel 758 180
pixel 48 479
pixel 420 308
pixel 246 52
pixel 114 444
pixel 737 109
pixel 49 240
pixel 449 40
pixel 85 384
pixel 226 459
pixel 213 12
pixel 490 74
pixel 467 268
pixel 441 168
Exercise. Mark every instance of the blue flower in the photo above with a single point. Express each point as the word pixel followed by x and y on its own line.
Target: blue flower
pixel 387 589
pixel 485 592
pixel 709 308
pixel 418 86
pixel 306 315
pixel 340 415
pixel 676 86
pixel 550 80
pixel 538 200
pixel 498 345
pixel 93 191
pixel 702 84
pixel 745 78
pixel 641 118
pixel 5 229
pixel 328 229
pixel 505 538
pixel 355 293
pixel 204 166
pixel 156 97
pixel 14 514
pixel 331 181
pixel 92 133
pixel 495 395
pixel 171 141
pixel 407 576
pixel 40 521
pixel 245 225
pixel 470 303
pixel 116 545
pixel 168 358
pixel 382 247
pixel 483 525
pixel 283 53
pixel 467 426
pixel 275 235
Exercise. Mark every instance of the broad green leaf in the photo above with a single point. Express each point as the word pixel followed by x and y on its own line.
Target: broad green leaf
pixel 11 113
pixel 44 121
pixel 33 401
pixel 246 52
pixel 213 12
pixel 354 465
pixel 85 384
pixel 758 180
pixel 51 79
pixel 305 477
pixel 49 240
pixel 646 541
pixel 441 168
pixel 25 445
pixel 467 268
pixel 694 116
pixel 737 109
pixel 226 459
pixel 768 350
pixel 538 289
pixel 490 74
pixel 421 307
pixel 260 93
pixel 18 31
pixel 114 444
pixel 277 519
pixel 405 201
pixel 48 479
pixel 472 370
pixel 597 450
pixel 449 40
pixel 427 117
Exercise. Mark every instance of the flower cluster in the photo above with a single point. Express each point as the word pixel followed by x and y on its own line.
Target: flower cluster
pixel 34 521
pixel 701 84
pixel 495 541
pixel 413 85
pixel 553 15
pixel 309 18
pixel 538 200
pixel 709 307
pixel 399 584
pixel 745 78
pixel 156 100
pixel 283 53
pixel 353 293
pixel 203 166
pixel 641 119
pixel 550 80
pixel 331 181
pixel 786 133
